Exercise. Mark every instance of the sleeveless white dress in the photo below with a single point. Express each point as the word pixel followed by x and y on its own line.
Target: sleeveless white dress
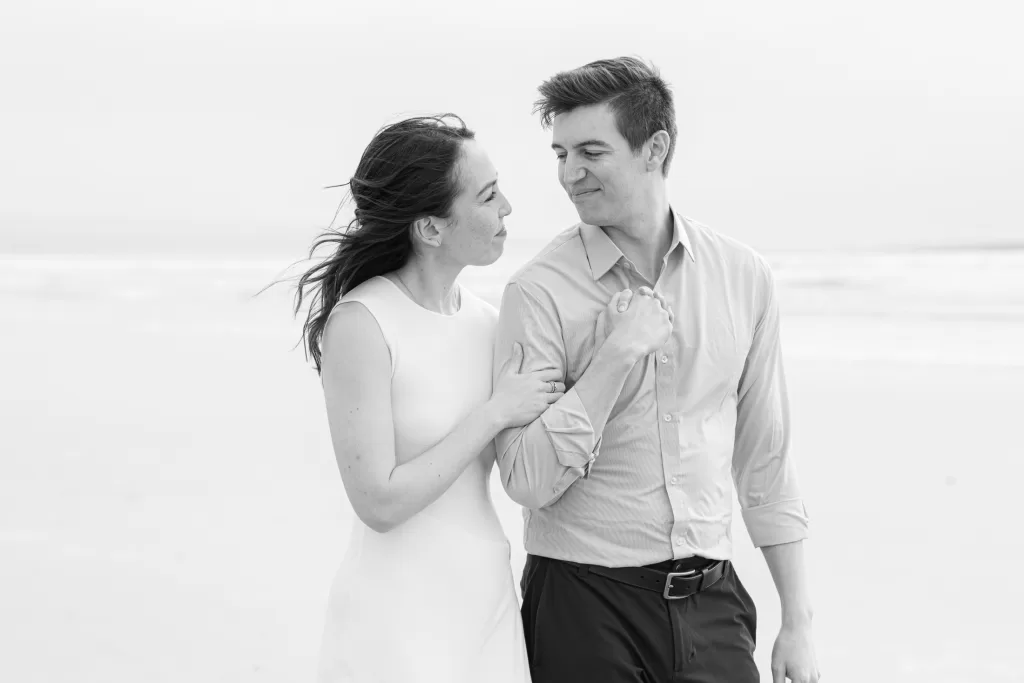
pixel 433 599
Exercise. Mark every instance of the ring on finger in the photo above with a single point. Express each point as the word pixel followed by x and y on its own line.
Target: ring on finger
pixel 552 383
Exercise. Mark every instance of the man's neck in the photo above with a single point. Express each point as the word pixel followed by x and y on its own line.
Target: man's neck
pixel 645 239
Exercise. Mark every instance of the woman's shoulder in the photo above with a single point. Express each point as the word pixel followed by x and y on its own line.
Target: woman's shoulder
pixel 361 320
pixel 380 297
pixel 374 288
pixel 478 305
pixel 353 333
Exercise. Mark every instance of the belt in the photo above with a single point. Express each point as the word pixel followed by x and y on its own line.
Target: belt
pixel 671 585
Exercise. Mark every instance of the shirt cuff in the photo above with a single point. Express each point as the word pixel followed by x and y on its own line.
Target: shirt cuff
pixel 777 523
pixel 571 433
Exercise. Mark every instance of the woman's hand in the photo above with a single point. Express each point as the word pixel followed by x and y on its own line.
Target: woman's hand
pixel 519 399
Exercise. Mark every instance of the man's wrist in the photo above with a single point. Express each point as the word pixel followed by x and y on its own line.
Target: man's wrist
pixel 799 616
pixel 619 345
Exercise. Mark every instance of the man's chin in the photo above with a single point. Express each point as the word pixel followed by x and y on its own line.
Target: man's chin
pixel 589 216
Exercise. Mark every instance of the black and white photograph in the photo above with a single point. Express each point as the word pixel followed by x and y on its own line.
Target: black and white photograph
pixel 408 342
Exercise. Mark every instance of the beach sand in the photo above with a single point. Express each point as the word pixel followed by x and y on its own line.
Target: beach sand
pixel 170 509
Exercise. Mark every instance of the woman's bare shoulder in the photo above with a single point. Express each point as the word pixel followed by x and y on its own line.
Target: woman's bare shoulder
pixel 352 337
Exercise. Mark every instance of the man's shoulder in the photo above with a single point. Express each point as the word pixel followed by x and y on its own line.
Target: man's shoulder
pixel 734 254
pixel 562 255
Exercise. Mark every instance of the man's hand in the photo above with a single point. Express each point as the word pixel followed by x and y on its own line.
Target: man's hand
pixel 637 324
pixel 617 305
pixel 793 656
pixel 647 291
pixel 644 328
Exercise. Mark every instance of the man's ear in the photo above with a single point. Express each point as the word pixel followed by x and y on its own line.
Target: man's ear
pixel 426 231
pixel 656 150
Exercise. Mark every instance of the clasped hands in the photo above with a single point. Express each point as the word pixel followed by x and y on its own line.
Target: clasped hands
pixel 637 324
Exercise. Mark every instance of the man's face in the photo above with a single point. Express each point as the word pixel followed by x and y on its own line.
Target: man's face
pixel 598 171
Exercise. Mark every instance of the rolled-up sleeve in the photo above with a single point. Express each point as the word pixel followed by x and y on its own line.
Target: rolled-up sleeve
pixel 763 469
pixel 540 461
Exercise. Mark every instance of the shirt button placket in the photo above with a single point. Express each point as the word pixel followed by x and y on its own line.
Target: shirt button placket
pixel 666 397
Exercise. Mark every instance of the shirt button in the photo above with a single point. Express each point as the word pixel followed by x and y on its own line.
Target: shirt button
pixel 664 359
pixel 679 541
pixel 668 418
pixel 675 480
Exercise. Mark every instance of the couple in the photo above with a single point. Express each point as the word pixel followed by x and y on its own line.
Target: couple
pixel 632 375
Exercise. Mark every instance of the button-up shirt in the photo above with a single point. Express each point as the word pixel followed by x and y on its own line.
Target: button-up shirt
pixel 707 411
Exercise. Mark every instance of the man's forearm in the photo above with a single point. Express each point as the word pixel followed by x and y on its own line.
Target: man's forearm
pixel 786 564
pixel 539 462
pixel 600 385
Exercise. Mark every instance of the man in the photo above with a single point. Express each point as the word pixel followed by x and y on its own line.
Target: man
pixel 673 393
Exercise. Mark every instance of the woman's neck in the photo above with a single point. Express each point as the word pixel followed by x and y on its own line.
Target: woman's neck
pixel 430 284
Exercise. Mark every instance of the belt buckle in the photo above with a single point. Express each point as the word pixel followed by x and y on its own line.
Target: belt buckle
pixel 668 584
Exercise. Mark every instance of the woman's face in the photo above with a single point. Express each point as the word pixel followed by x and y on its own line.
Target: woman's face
pixel 474 233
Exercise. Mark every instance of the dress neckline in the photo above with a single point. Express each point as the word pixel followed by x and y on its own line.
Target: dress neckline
pixel 447 316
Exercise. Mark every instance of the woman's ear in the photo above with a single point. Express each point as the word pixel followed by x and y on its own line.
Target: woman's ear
pixel 426 232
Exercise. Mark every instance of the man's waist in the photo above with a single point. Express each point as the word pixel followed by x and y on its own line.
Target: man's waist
pixel 612 545
pixel 672 579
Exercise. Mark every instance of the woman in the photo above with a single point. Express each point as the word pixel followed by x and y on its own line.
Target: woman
pixel 425 592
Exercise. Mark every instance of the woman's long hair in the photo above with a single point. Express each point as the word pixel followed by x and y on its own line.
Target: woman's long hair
pixel 408 171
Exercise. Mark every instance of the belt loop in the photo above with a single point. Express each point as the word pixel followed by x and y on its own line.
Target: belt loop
pixel 582 570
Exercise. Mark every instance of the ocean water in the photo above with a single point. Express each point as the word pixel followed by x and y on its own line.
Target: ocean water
pixel 952 306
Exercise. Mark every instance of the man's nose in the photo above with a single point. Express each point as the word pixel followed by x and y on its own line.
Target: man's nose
pixel 572 173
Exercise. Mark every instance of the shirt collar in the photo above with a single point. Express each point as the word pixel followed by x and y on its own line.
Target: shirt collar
pixel 603 253
pixel 681 234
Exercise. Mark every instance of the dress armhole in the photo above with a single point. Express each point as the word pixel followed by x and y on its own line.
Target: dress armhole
pixel 383 331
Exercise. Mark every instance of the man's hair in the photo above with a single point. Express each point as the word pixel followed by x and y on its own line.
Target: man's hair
pixel 633 89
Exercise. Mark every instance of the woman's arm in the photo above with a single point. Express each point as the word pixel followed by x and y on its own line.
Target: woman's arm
pixel 357 389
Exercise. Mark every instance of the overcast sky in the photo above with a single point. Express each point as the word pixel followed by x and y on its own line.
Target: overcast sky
pixel 802 124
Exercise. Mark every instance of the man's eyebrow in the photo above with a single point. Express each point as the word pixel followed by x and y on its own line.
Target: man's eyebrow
pixel 585 143
pixel 487 187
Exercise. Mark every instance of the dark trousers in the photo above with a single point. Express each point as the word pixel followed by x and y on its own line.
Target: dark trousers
pixel 588 628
